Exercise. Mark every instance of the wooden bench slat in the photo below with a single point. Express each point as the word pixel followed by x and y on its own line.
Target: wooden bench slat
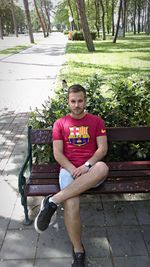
pixel 43 136
pixel 120 173
pixel 120 186
pixel 47 168
pixel 127 165
pixel 130 173
pixel 128 133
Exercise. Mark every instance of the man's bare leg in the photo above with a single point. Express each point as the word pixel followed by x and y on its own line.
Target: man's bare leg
pixel 73 222
pixel 86 181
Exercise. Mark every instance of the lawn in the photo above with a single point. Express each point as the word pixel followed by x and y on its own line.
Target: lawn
pixel 13 50
pixel 129 55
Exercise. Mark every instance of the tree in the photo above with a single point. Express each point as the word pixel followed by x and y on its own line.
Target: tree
pixel 103 19
pixel 118 22
pixel 85 26
pixel 40 18
pixel 47 6
pixel 112 15
pixel 14 17
pixel 28 18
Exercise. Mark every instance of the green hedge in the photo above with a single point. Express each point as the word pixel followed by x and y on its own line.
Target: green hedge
pixel 78 36
pixel 126 103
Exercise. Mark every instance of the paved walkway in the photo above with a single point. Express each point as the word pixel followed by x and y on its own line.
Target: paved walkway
pixel 116 229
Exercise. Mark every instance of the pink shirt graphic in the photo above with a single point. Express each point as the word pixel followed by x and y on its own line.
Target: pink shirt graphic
pixel 79 136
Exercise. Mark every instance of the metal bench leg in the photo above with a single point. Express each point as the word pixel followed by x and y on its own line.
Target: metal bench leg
pixel 27 220
pixel 22 182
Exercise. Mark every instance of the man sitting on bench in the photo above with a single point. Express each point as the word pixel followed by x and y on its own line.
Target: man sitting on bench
pixel 79 142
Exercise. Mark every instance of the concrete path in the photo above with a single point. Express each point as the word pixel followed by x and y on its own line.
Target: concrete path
pixel 116 228
pixel 27 78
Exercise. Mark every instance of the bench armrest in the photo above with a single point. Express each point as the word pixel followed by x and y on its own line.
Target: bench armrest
pixel 21 178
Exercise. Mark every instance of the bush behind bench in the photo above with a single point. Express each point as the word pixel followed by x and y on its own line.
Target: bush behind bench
pixel 125 103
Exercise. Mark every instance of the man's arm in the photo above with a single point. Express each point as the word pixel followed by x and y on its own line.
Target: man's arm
pixel 101 150
pixel 60 157
pixel 97 156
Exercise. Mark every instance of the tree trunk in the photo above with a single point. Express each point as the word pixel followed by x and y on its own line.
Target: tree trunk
pixel 103 19
pixel 112 14
pixel 14 18
pixel 40 18
pixel 118 22
pixel 73 24
pixel 134 18
pixel 48 18
pixel 139 15
pixel 1 28
pixel 85 26
pixel 28 18
pixel 42 15
pixel 97 18
pixel 78 19
pixel 107 12
pixel 148 18
pixel 124 11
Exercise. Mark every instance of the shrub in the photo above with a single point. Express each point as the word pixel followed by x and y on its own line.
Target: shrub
pixel 126 104
pixel 78 35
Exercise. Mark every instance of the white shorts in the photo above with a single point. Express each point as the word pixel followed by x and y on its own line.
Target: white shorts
pixel 65 178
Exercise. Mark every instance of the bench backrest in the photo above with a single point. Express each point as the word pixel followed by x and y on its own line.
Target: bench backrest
pixel 44 136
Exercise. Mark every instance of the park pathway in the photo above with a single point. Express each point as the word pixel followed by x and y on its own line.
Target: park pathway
pixel 28 78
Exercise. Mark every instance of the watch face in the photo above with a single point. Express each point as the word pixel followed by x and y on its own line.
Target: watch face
pixel 87 164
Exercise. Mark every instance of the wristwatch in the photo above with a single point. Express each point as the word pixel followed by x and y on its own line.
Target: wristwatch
pixel 87 164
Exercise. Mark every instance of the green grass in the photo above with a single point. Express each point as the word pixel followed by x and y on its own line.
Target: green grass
pixel 13 50
pixel 129 55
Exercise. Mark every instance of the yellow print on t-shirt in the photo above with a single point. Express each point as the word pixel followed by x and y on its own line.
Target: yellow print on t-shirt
pixel 78 135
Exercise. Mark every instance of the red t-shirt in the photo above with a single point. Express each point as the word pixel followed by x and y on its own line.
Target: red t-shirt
pixel 79 136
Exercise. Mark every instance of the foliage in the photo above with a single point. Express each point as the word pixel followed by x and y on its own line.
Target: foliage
pixel 125 104
pixel 13 50
pixel 7 19
pixel 78 35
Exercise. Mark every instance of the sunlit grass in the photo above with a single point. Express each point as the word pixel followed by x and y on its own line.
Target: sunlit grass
pixel 129 55
pixel 13 50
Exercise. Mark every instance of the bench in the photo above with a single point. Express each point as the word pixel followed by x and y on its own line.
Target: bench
pixel 124 177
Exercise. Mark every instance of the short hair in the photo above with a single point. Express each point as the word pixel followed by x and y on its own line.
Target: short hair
pixel 75 88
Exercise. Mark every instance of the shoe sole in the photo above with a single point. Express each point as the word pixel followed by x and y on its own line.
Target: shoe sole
pixel 35 222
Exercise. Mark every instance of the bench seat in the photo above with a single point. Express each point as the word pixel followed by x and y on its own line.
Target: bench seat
pixel 124 177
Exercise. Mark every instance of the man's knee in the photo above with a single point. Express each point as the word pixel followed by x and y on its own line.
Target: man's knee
pixel 72 204
pixel 102 168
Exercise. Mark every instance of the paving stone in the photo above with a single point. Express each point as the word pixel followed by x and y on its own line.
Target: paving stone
pixel 142 209
pixel 53 243
pixel 8 197
pixel 146 233
pixel 90 198
pixel 59 262
pixel 3 226
pixel 119 213
pixel 126 240
pixel 19 245
pixel 95 242
pixel 16 263
pixel 92 214
pixel 139 261
pixel 99 262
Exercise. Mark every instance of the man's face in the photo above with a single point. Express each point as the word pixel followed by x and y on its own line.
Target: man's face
pixel 77 103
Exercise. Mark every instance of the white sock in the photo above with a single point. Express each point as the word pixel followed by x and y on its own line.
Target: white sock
pixel 51 200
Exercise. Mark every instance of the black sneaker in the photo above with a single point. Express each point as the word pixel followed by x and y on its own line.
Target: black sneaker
pixel 78 259
pixel 43 218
